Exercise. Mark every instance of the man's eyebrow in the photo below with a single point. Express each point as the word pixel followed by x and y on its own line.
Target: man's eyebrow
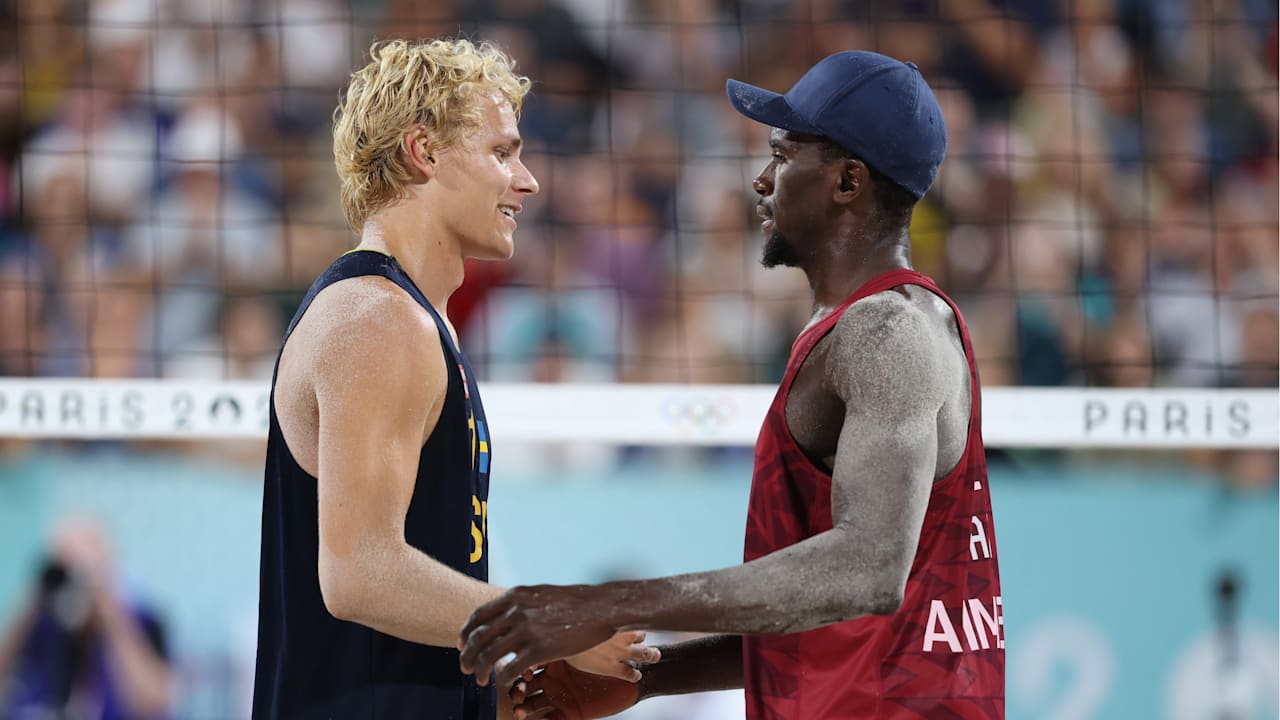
pixel 514 141
pixel 780 139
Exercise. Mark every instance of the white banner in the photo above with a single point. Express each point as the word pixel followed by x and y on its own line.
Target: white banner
pixel 649 414
pixel 154 409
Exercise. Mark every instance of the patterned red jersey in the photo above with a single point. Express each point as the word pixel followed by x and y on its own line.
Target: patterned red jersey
pixel 942 654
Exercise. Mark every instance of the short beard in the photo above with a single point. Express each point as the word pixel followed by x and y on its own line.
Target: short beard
pixel 778 250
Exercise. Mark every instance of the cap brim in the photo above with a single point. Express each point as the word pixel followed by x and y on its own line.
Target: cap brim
pixel 763 106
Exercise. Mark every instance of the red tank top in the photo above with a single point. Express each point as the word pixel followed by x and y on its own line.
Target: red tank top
pixel 942 654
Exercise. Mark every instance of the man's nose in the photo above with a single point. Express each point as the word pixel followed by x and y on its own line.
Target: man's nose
pixel 525 182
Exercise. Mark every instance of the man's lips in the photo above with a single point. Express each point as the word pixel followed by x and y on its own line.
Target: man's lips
pixel 766 216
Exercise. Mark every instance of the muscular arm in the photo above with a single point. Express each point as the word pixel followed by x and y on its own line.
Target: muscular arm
pixel 701 665
pixel 884 369
pixel 371 365
pixel 887 372
pixel 379 379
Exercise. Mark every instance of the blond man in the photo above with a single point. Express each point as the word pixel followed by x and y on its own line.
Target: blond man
pixel 375 535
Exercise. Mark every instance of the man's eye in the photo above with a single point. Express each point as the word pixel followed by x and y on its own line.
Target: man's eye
pixel 502 154
pixel 778 157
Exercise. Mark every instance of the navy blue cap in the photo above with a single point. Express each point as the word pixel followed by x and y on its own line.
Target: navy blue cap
pixel 878 108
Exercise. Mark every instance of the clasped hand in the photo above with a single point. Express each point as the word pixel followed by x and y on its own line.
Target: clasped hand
pixel 529 626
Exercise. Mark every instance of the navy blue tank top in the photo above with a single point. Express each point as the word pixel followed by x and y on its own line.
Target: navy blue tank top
pixel 312 665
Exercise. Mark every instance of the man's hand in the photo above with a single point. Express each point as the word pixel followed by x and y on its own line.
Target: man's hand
pixel 559 692
pixel 537 624
pixel 617 657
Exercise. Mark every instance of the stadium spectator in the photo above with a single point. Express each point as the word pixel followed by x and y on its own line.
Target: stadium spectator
pixel 81 648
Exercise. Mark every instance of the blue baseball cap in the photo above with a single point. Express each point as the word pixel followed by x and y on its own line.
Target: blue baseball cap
pixel 878 108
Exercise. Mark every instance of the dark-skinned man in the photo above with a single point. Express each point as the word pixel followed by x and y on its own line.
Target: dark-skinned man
pixel 870 587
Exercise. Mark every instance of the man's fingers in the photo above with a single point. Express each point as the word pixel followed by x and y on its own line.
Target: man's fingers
pixel 546 713
pixel 632 643
pixel 643 654
pixel 489 659
pixel 481 647
pixel 510 669
pixel 536 707
pixel 541 711
pixel 483 615
pixel 622 670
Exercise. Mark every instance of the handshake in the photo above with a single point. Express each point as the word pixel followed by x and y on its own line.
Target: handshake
pixel 555 653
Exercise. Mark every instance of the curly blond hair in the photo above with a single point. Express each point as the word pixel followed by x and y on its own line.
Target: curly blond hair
pixel 436 84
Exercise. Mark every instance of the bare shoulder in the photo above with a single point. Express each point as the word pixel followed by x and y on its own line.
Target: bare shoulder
pixel 884 329
pixel 362 319
pixel 361 357
pixel 886 316
pixel 891 349
pixel 360 336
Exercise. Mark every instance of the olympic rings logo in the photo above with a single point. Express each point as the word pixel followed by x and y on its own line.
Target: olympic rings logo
pixel 700 412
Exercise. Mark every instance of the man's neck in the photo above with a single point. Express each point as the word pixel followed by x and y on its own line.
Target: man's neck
pixel 848 264
pixel 426 252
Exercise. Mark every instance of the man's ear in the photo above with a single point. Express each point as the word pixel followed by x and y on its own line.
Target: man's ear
pixel 416 148
pixel 854 180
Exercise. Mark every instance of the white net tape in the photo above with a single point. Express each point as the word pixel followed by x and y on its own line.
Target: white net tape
pixel 650 414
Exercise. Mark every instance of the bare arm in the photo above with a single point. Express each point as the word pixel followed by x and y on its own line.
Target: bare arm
pixel 701 665
pixel 379 379
pixel 146 680
pixel 884 369
pixel 888 374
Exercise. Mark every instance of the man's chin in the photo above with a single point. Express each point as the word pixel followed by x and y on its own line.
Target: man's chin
pixel 778 253
pixel 501 250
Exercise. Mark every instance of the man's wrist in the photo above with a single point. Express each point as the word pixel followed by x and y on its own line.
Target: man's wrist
pixel 650 684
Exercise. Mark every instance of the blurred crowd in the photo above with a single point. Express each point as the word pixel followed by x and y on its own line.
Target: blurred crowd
pixel 1107 214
